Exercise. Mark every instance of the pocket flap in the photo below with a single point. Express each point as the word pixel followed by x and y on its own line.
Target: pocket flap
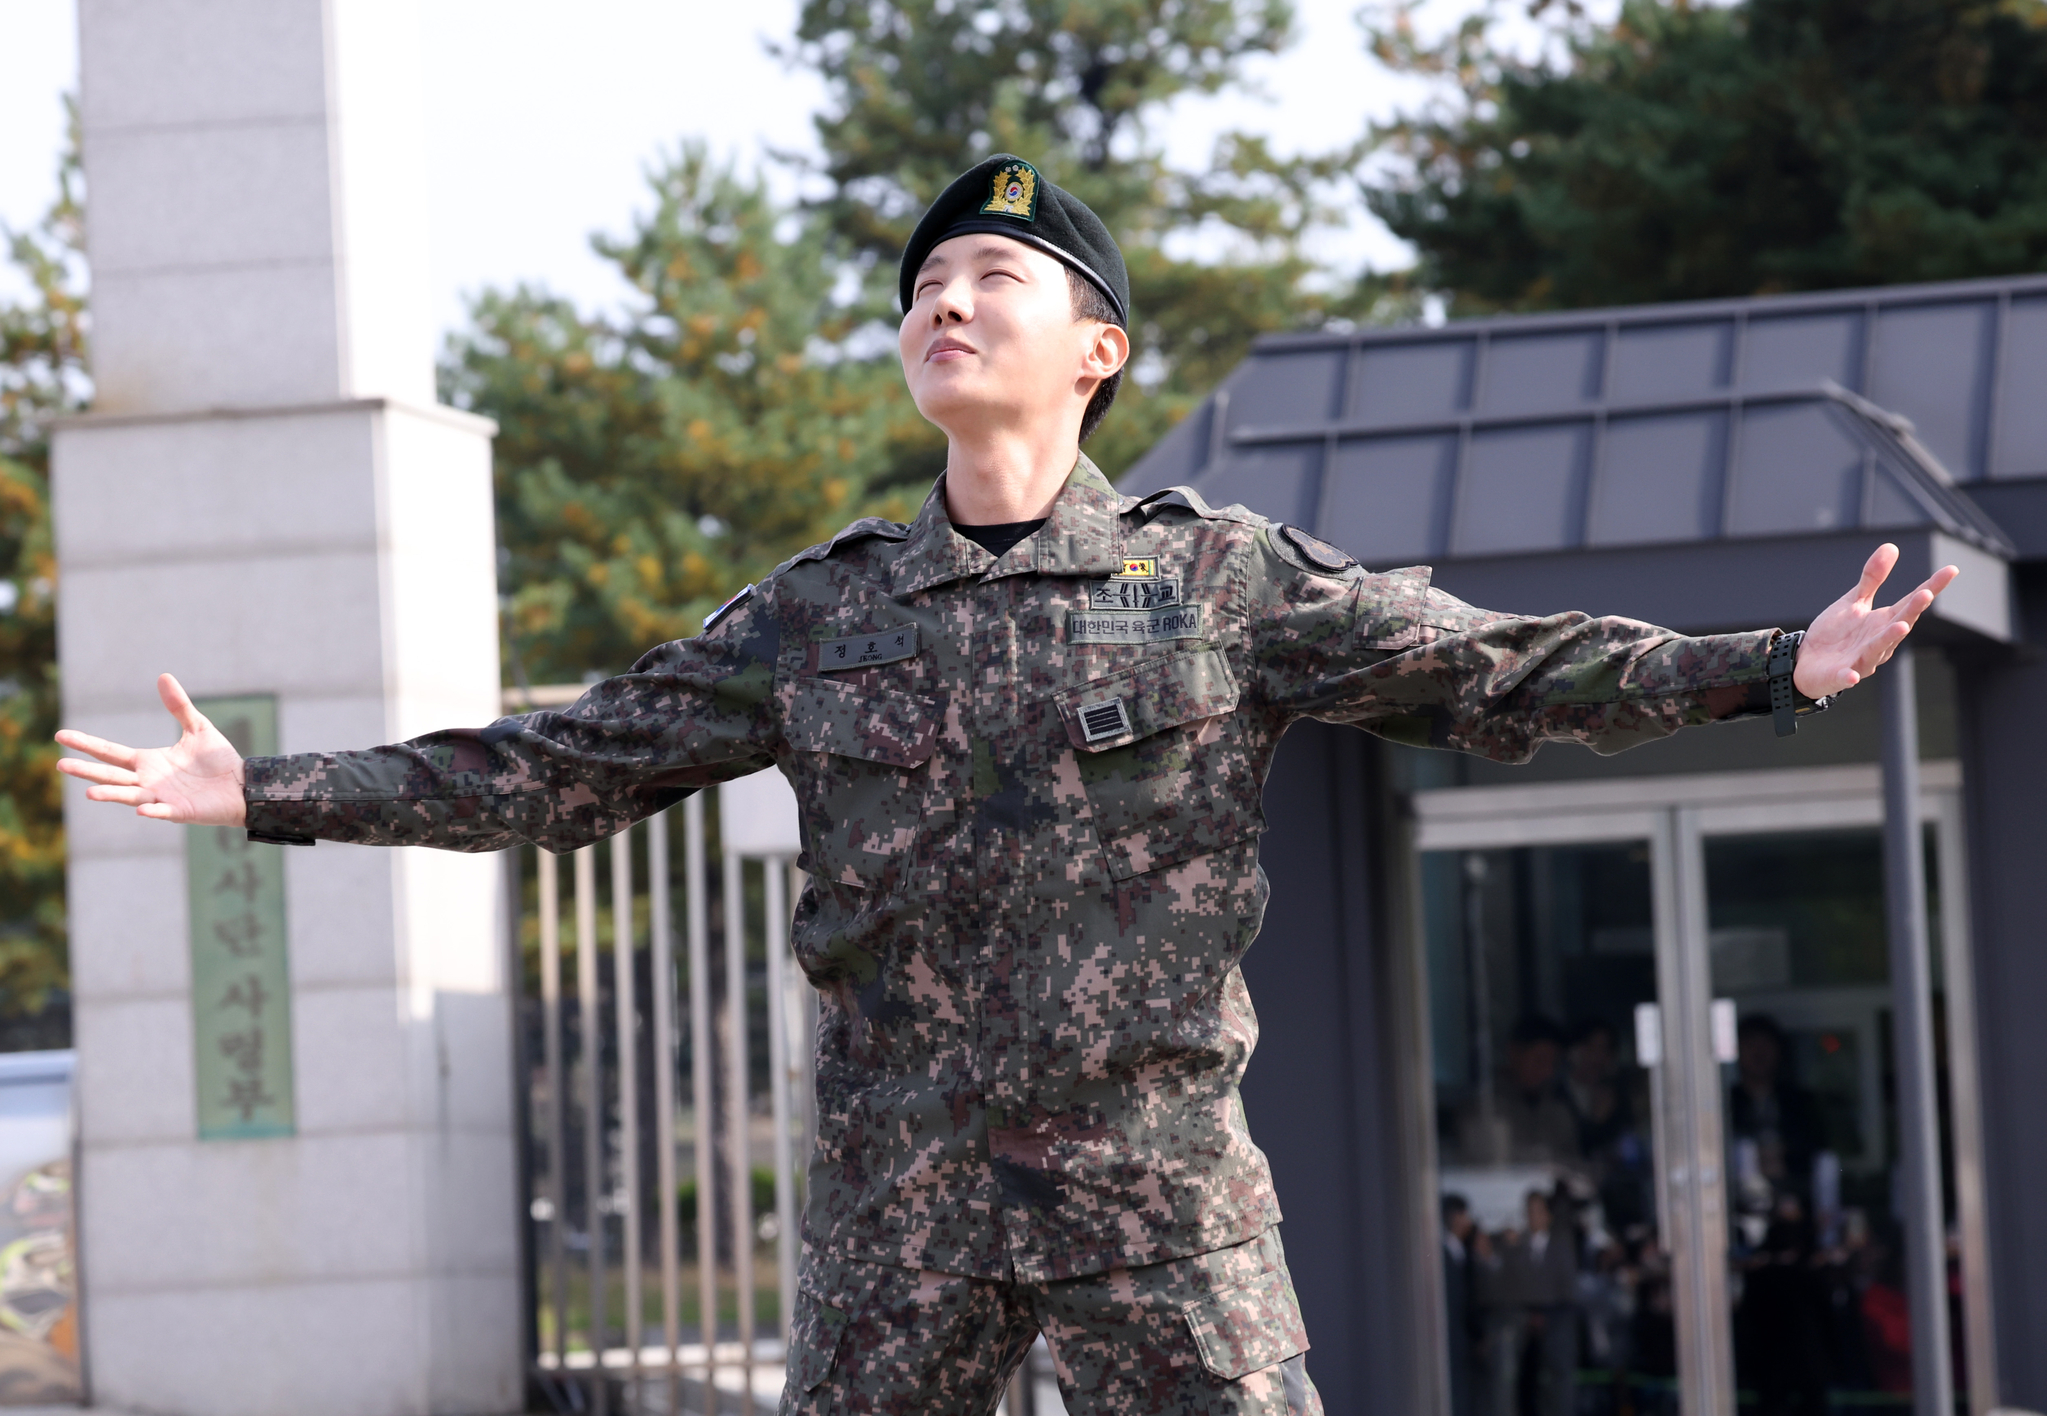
pixel 876 724
pixel 816 1328
pixel 1248 1328
pixel 1393 603
pixel 1151 697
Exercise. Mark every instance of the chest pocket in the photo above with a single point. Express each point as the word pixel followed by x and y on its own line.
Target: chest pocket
pixel 1166 777
pixel 858 787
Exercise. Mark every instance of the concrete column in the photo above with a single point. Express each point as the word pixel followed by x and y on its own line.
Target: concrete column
pixel 266 500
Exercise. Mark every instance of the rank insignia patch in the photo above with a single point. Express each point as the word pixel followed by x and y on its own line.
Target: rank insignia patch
pixel 1132 594
pixel 1015 192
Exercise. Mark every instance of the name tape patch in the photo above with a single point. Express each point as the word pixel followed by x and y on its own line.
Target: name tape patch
pixel 1133 594
pixel 1105 627
pixel 860 651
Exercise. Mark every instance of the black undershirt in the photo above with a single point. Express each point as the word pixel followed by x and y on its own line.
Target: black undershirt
pixel 996 540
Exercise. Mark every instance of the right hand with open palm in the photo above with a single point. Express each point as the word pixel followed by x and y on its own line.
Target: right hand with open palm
pixel 197 781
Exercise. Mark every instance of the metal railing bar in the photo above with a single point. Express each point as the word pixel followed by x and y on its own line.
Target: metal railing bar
pixel 740 1204
pixel 593 1104
pixel 661 952
pixel 622 991
pixel 702 1049
pixel 557 1145
pixel 784 1078
pixel 803 1058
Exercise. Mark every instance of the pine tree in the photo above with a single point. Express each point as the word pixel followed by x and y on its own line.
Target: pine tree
pixel 920 90
pixel 1690 151
pixel 42 375
pixel 650 463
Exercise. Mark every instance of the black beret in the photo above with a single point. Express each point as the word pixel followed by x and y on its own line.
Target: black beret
pixel 1005 195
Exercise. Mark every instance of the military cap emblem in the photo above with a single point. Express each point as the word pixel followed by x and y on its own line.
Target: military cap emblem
pixel 1014 191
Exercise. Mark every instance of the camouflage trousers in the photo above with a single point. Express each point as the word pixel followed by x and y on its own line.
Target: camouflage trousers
pixel 1217 1333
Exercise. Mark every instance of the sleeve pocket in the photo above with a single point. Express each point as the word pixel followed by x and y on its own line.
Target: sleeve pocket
pixel 876 725
pixel 1392 607
pixel 1248 1328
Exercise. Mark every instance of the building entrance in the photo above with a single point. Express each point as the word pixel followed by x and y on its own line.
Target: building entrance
pixel 1659 1014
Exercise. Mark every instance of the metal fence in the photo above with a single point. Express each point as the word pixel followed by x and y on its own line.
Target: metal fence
pixel 668 1104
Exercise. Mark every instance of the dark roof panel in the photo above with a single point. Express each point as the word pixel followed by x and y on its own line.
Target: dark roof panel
pixel 1636 427
pixel 1672 361
pixel 1661 479
pixel 1521 489
pixel 1391 494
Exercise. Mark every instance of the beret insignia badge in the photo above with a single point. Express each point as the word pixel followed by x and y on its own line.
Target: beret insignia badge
pixel 1014 192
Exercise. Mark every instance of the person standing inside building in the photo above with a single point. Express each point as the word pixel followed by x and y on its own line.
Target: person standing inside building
pixel 1028 735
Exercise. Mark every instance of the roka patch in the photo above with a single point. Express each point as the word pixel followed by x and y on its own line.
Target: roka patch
pixel 1133 627
pixel 860 651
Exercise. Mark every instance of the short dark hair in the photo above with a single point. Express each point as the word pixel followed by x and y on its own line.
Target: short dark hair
pixel 1089 303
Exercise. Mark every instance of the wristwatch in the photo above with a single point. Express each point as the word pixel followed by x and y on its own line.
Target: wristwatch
pixel 1787 704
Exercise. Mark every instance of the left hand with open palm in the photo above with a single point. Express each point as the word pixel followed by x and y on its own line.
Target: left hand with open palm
pixel 1851 637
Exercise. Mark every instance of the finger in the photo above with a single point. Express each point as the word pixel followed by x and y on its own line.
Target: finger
pixel 126 796
pixel 1933 585
pixel 105 751
pixel 95 772
pixel 157 811
pixel 179 703
pixel 1875 571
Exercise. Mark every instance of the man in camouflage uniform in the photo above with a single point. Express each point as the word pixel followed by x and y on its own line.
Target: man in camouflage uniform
pixel 1028 734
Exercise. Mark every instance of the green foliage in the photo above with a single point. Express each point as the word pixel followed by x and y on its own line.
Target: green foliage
pixel 42 374
pixel 920 90
pixel 650 464
pixel 749 402
pixel 1690 151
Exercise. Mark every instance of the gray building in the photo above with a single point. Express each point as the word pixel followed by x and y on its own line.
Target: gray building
pixel 1687 990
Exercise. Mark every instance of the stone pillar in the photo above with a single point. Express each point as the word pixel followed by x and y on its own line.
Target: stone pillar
pixel 267 501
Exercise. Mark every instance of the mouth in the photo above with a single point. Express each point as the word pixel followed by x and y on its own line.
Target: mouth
pixel 946 351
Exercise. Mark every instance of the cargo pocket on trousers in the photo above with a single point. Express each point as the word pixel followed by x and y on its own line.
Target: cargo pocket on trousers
pixel 1248 1328
pixel 816 1330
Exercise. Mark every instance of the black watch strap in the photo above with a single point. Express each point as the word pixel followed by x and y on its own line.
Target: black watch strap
pixel 1785 707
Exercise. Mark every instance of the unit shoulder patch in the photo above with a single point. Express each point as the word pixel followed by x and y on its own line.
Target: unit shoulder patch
pixel 1310 553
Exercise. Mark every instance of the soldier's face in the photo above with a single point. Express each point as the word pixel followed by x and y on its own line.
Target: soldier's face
pixel 990 343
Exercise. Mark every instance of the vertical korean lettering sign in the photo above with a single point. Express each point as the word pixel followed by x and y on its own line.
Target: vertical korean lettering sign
pixel 241 968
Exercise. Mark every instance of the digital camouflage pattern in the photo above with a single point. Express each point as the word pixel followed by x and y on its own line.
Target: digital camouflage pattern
pixel 1216 1334
pixel 1033 861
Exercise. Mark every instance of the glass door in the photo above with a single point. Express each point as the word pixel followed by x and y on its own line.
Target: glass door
pixel 1658 1020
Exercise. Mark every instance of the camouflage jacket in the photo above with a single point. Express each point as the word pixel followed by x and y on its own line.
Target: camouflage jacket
pixel 1030 794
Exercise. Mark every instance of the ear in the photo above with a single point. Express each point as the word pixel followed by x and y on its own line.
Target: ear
pixel 1108 350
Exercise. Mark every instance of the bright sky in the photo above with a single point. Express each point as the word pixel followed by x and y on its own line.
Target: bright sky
pixel 541 126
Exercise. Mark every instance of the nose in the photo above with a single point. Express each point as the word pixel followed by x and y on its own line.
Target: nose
pixel 952 304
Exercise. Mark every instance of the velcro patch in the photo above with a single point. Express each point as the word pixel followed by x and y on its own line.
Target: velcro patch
pixel 1132 594
pixel 1110 627
pixel 860 651
pixel 1105 719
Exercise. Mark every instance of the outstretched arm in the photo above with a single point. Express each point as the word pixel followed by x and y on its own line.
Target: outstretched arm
pixel 196 781
pixel 688 715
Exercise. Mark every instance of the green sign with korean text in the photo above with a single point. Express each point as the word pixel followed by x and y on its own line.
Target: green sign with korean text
pixel 241 965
